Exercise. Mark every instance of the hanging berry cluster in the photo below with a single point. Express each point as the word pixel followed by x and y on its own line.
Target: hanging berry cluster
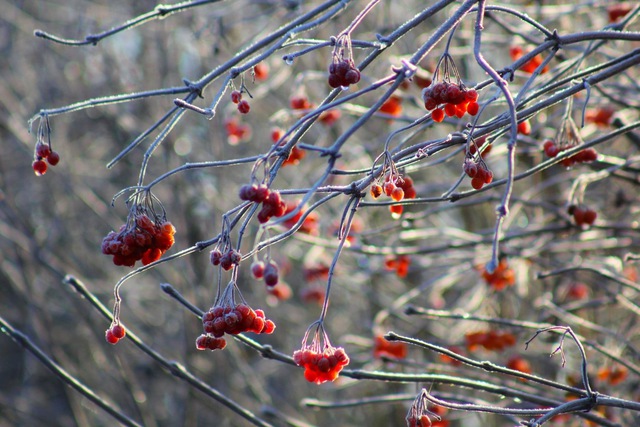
pixel 272 203
pixel 243 104
pixel 582 215
pixel 43 150
pixel 310 223
pixel 342 70
pixel 115 333
pixel 227 259
pixel 395 186
pixel 447 97
pixel 569 137
pixel 145 237
pixel 399 264
pixel 490 340
pixel 236 132
pixel 267 271
pixel 477 170
pixel 551 149
pixel 227 317
pixel 295 155
pixel 389 349
pixel 502 277
pixel 516 52
pixel 321 361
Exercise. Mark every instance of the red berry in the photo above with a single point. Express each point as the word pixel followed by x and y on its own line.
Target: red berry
pixel 42 150
pixel 477 182
pixel 54 158
pixel 111 339
pixel 244 107
pixel 389 187
pixel 376 191
pixel 437 115
pixel 396 211
pixel 397 194
pixel 118 331
pixel 589 216
pixel 236 97
pixel 261 71
pixel 473 108
pixel 271 274
pixel 450 110
pixel 215 257
pixel 39 167
pixel 524 127
pixel 257 269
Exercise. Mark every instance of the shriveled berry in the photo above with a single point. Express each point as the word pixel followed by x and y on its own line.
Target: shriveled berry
pixel 376 191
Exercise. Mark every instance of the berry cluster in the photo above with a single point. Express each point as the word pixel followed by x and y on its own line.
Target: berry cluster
pixel 392 106
pixel 272 203
pixel 551 149
pixel 280 292
pixel 295 155
pixel 232 320
pixel 115 333
pixel 243 104
pixel 342 73
pixel 618 11
pixel 582 215
pixel 577 291
pixel 601 116
pixel 502 277
pixel 399 264
pixel 321 366
pixel 396 187
pixel 384 348
pixel 44 152
pixel 236 132
pixel 141 239
pixel 266 271
pixel 300 102
pixel 457 100
pixel 614 375
pixel 490 340
pixel 519 363
pixel 313 294
pixel 226 260
pixel 310 223
pixel 329 117
pixel 516 52
pixel 478 172
pixel 445 358
pixel 208 342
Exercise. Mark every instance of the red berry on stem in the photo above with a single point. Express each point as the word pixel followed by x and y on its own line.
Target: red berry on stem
pixel 39 167
pixel 42 150
pixel 437 115
pixel 244 107
pixel 236 97
pixel 118 331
